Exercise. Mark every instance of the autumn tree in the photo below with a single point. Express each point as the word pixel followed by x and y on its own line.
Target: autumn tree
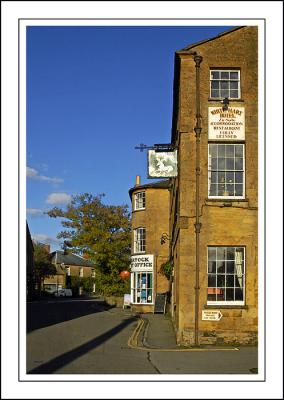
pixel 43 268
pixel 100 232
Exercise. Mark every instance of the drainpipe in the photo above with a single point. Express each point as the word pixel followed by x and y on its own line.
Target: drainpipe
pixel 197 129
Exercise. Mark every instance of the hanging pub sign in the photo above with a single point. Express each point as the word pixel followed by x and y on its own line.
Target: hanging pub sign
pixel 162 164
pixel 226 124
pixel 142 262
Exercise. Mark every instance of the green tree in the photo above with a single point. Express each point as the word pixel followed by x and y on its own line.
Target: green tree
pixel 43 268
pixel 101 232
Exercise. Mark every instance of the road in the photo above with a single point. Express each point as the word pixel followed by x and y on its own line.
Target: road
pixel 69 336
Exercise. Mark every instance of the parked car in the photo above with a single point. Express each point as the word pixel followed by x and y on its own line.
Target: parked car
pixel 63 292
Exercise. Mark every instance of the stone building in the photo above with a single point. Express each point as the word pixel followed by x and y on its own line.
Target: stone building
pixel 150 245
pixel 214 199
pixel 68 265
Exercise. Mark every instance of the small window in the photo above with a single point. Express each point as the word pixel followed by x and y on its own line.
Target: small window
pixel 226 171
pixel 81 272
pixel 225 83
pixel 68 272
pixel 139 240
pixel 226 275
pixel 139 200
pixel 93 273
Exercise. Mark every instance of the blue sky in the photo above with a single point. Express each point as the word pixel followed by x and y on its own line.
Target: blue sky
pixel 93 94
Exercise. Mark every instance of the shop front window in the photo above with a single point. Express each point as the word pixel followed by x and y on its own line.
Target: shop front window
pixel 142 287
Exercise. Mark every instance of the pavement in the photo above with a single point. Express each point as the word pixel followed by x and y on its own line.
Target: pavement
pixel 156 332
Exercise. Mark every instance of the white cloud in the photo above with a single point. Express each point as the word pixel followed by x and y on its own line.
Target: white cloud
pixel 33 174
pixel 58 198
pixel 34 212
pixel 42 238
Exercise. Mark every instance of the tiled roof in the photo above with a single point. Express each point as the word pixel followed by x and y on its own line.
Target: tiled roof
pixel 59 257
pixel 165 184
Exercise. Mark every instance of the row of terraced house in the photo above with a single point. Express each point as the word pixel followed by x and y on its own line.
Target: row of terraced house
pixel 204 222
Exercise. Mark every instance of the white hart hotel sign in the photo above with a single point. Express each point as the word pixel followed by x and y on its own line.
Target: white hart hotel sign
pixel 226 124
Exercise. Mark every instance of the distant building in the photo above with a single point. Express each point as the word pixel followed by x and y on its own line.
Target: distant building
pixel 68 265
pixel 150 223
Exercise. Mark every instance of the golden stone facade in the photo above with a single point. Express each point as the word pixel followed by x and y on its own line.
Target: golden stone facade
pixel 210 210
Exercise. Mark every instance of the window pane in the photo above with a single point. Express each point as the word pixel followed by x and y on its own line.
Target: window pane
pixel 224 93
pixel 221 190
pixel 213 150
pixel 234 94
pixel 220 267
pixel 230 281
pixel 224 75
pixel 234 85
pixel 215 74
pixel 238 190
pixel 229 294
pixel 230 190
pixel 220 281
pixel 230 253
pixel 221 177
pixel 239 295
pixel 230 267
pixel 238 163
pixel 214 177
pixel 238 281
pixel 212 266
pixel 239 150
pixel 239 177
pixel 221 163
pixel 221 295
pixel 214 85
pixel 229 177
pixel 211 297
pixel 215 93
pixel 213 190
pixel 234 75
pixel 221 253
pixel 221 150
pixel 224 84
pixel 230 163
pixel 212 253
pixel 229 151
pixel 214 163
pixel 211 280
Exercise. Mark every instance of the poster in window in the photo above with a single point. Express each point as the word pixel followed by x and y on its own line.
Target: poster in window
pixel 162 164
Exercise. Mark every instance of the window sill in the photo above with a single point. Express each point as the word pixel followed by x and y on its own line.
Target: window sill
pixel 139 209
pixel 221 98
pixel 211 306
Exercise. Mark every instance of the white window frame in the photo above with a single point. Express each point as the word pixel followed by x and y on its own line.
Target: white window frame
pixel 225 80
pixel 243 276
pixel 139 197
pixel 226 171
pixel 93 273
pixel 139 240
pixel 81 272
pixel 137 290
pixel 68 271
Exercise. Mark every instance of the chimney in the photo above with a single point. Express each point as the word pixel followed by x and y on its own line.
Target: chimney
pixel 137 180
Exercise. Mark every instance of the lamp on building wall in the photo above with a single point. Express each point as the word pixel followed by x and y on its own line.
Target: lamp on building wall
pixel 225 103
pixel 164 238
